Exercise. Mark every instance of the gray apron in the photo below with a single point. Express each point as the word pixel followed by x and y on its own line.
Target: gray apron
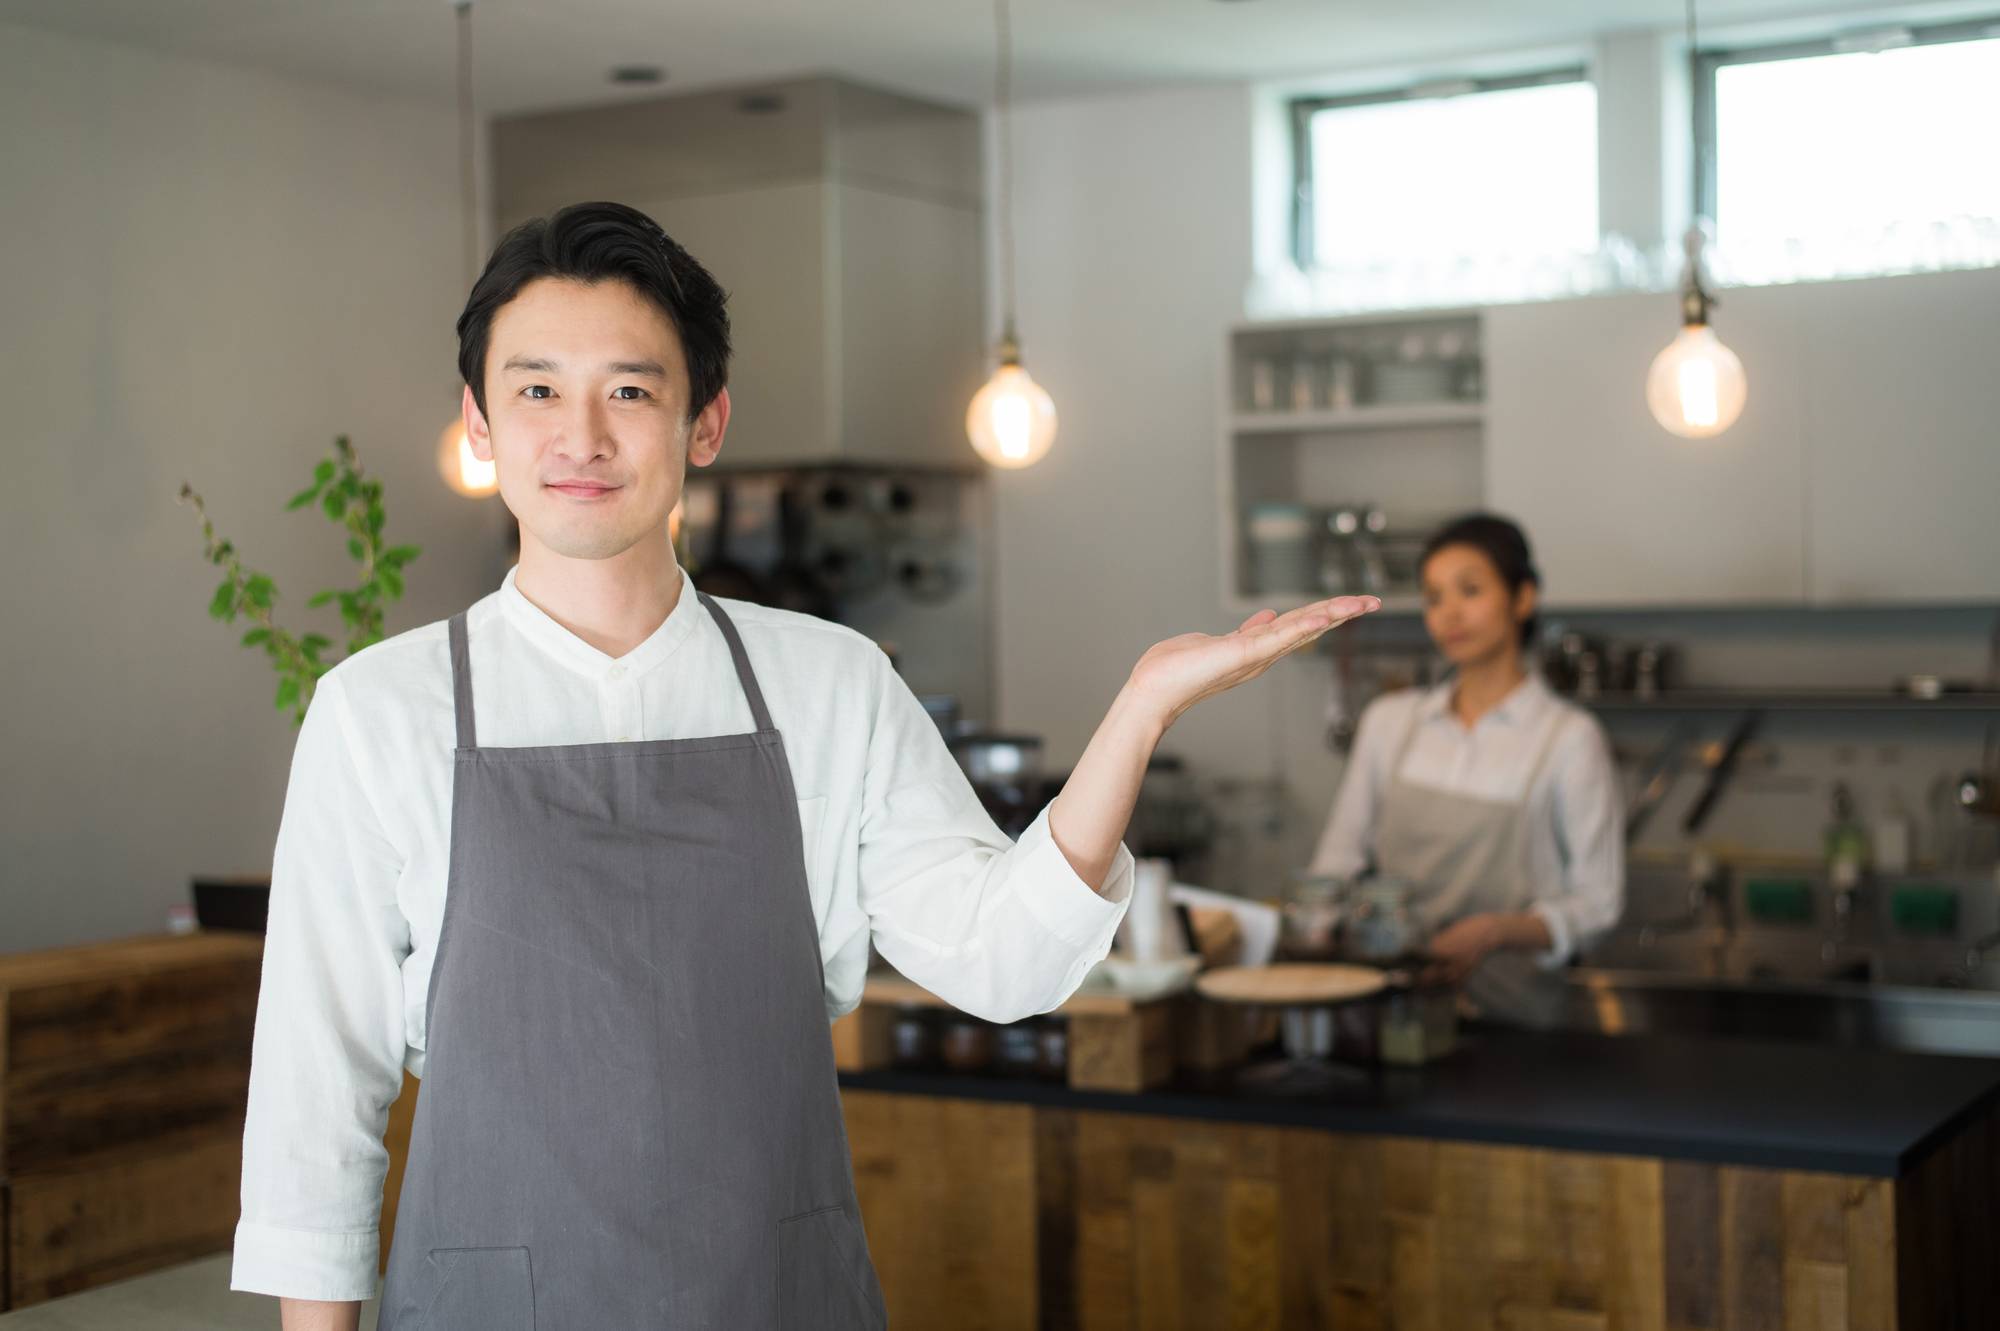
pixel 1463 855
pixel 629 1115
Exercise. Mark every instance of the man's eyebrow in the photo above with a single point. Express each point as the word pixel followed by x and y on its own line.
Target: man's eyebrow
pixel 529 363
pixel 647 367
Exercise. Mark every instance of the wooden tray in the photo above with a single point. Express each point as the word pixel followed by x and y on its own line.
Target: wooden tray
pixel 1294 984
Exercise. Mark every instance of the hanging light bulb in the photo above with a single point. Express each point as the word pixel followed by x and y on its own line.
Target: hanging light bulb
pixel 1696 386
pixel 1012 420
pixel 461 470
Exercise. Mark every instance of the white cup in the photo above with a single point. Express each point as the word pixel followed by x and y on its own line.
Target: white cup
pixel 1150 930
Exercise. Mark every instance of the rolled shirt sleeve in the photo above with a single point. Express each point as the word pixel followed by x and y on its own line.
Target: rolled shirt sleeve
pixel 1581 900
pixel 326 1062
pixel 1001 930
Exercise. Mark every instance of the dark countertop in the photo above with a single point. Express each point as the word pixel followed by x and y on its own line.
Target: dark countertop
pixel 1836 1109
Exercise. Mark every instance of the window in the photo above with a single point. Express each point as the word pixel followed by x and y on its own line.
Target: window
pixel 1458 184
pixel 1872 153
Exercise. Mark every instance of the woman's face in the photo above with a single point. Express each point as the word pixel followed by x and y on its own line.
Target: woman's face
pixel 1470 614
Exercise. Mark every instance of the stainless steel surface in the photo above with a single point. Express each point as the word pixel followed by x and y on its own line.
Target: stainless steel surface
pixel 1940 1021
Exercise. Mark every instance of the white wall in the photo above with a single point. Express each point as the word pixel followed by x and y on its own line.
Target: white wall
pixel 1133 222
pixel 1135 237
pixel 205 274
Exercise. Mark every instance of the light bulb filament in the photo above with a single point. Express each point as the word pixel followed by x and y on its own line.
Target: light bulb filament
pixel 1011 422
pixel 1698 406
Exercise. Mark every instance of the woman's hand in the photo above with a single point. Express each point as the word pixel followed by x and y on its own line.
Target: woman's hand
pixel 1089 817
pixel 1457 949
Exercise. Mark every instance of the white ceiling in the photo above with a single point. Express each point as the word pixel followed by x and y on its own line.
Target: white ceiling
pixel 537 54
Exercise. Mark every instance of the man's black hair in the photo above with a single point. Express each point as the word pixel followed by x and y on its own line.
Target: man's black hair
pixel 604 242
pixel 1503 543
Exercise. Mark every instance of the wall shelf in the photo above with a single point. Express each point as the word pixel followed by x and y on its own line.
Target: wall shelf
pixel 1793 700
pixel 1384 416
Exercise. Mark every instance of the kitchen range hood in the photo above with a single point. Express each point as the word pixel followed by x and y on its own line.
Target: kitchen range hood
pixel 845 222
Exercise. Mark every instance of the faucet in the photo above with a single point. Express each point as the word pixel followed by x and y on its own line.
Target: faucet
pixel 1707 901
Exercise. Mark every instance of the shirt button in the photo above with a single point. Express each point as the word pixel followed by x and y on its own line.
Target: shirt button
pixel 616 672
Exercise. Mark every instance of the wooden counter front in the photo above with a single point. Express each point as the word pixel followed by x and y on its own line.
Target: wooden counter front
pixel 1017 1216
pixel 124 1072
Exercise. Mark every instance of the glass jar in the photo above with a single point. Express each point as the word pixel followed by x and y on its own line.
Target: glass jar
pixel 1382 929
pixel 913 1039
pixel 967 1044
pixel 1309 921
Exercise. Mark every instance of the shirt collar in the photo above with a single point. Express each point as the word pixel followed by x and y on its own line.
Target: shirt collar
pixel 578 655
pixel 1521 705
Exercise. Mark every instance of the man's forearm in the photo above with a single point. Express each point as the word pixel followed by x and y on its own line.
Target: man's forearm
pixel 1089 817
pixel 314 1315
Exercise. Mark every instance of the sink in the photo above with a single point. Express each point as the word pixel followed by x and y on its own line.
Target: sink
pixel 1889 1016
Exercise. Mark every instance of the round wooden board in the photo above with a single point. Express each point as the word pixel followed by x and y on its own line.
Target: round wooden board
pixel 1291 984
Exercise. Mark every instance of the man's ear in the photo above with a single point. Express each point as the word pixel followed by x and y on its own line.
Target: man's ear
pixel 705 439
pixel 475 427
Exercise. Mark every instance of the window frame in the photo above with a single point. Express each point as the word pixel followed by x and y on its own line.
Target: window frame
pixel 1302 109
pixel 1707 62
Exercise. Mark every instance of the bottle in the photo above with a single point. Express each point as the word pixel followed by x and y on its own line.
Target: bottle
pixel 1846 842
pixel 1892 836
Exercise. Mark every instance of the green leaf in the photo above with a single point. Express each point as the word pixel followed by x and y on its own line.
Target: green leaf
pixel 315 642
pixel 322 598
pixel 224 604
pixel 354 547
pixel 288 692
pixel 255 636
pixel 260 590
pixel 398 555
pixel 335 504
pixel 323 473
pixel 392 582
pixel 302 498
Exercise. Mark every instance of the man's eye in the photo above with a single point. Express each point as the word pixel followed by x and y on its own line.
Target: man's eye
pixel 628 393
pixel 538 392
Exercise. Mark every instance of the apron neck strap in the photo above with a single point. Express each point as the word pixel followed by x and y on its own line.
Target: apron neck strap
pixel 744 675
pixel 461 683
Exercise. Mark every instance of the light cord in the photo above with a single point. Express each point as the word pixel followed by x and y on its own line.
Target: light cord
pixel 1003 104
pixel 468 185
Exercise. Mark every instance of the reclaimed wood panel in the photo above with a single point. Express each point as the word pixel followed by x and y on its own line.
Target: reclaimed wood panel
pixel 121 1213
pixel 947 1192
pixel 1145 1223
pixel 1948 1232
pixel 124 1075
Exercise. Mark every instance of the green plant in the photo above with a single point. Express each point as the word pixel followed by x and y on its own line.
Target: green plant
pixel 352 499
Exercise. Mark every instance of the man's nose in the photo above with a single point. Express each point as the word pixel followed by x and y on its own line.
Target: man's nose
pixel 586 433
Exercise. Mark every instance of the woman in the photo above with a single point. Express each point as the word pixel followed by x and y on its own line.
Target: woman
pixel 1495 800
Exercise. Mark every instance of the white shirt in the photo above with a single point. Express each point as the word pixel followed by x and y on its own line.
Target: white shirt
pixel 1576 826
pixel 897 848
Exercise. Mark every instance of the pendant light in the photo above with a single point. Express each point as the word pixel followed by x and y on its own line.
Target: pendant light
pixel 1011 421
pixel 461 470
pixel 1696 386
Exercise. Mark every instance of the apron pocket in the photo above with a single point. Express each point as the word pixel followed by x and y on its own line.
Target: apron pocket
pixel 480 1289
pixel 825 1280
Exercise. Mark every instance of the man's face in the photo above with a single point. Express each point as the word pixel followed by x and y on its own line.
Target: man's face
pixel 587 417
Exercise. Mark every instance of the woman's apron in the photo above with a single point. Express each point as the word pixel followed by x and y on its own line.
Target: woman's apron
pixel 1462 856
pixel 629 1116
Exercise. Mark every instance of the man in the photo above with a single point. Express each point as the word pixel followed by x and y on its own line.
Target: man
pixel 599 858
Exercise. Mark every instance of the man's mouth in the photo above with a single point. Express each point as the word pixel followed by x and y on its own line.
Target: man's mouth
pixel 581 489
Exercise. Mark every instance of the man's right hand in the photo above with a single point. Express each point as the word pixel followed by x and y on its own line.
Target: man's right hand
pixel 313 1315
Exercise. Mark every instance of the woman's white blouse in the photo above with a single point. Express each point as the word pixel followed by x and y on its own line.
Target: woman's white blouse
pixel 1575 842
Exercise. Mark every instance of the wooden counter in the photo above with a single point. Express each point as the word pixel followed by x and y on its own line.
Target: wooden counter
pixel 124 1072
pixel 1002 1205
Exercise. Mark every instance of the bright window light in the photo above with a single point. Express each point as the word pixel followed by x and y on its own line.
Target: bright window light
pixel 1831 153
pixel 1504 177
